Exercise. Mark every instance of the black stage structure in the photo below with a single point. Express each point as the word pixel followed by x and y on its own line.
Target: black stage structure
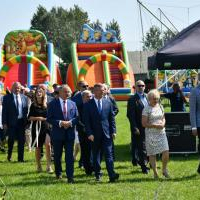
pixel 182 52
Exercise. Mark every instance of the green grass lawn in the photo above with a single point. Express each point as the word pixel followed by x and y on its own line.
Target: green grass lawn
pixel 23 182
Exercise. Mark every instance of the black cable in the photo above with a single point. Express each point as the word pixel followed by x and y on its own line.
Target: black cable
pixel 168 19
pixel 154 16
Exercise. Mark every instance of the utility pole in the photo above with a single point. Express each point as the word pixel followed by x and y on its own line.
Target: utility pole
pixel 141 23
pixel 160 20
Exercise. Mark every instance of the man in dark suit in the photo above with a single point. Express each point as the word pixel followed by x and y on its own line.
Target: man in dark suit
pixel 14 119
pixel 108 96
pixel 135 106
pixel 77 98
pixel 100 126
pixel 62 114
pixel 83 139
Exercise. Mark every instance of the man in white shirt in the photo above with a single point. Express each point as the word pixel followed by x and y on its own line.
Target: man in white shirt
pixel 100 126
pixel 14 119
pixel 62 114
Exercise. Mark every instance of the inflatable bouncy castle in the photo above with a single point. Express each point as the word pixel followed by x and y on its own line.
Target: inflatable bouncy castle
pixel 99 57
pixel 27 57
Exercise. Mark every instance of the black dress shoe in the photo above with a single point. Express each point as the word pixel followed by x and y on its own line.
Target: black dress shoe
pixel 198 170
pixel 22 161
pixel 58 177
pixel 114 178
pixel 134 164
pixel 70 180
pixel 145 170
pixel 98 178
pixel 2 150
pixel 88 173
pixel 9 159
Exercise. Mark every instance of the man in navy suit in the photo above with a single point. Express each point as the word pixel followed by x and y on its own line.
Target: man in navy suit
pixel 136 104
pixel 100 127
pixel 14 119
pixel 78 99
pixel 63 115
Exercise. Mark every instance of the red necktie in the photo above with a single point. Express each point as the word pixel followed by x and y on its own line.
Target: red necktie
pixel 64 110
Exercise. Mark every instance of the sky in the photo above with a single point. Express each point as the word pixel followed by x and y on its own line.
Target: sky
pixel 16 15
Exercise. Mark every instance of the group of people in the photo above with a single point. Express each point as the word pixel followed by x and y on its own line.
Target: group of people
pixel 55 119
pixel 147 123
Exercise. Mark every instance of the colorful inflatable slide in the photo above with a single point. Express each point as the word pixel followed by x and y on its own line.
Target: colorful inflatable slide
pixel 98 57
pixel 28 58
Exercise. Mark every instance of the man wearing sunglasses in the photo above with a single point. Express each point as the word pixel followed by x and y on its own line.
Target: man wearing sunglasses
pixel 135 105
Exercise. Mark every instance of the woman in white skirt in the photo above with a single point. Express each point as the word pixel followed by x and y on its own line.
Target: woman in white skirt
pixel 153 120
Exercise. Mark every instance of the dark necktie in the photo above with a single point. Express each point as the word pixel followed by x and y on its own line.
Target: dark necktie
pixel 99 106
pixel 17 104
pixel 64 110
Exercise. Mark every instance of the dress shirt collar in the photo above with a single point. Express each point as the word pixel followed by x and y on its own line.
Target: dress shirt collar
pixel 15 95
pixel 96 100
pixel 141 95
pixel 61 100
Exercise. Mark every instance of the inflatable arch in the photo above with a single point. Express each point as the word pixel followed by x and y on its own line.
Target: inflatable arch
pixel 105 57
pixel 24 58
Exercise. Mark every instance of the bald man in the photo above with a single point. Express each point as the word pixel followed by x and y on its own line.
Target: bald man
pixel 136 103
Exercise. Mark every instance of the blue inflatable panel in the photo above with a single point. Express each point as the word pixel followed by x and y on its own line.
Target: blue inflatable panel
pixel 120 90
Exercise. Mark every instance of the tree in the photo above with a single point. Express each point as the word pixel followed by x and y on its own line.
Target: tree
pixel 40 20
pixel 168 35
pixel 97 25
pixel 62 27
pixel 154 39
pixel 114 26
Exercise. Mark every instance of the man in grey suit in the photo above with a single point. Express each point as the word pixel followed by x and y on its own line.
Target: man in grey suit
pixel 195 113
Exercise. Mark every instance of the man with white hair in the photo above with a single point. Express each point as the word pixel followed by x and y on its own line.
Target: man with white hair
pixel 14 119
pixel 62 114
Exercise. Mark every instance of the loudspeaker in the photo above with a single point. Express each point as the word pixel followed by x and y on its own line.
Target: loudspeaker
pixel 178 130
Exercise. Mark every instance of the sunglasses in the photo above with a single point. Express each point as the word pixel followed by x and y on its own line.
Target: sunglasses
pixel 140 85
pixel 84 86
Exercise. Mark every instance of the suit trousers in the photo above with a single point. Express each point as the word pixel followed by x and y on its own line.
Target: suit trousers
pixel 86 152
pixel 104 144
pixel 198 131
pixel 138 149
pixel 17 132
pixel 69 159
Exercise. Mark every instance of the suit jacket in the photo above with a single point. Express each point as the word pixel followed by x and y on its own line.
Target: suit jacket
pixel 114 104
pixel 99 124
pixel 55 115
pixel 134 112
pixel 78 100
pixel 195 107
pixel 10 113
